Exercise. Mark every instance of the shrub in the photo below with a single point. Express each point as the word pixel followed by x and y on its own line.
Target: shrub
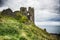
pixel 22 38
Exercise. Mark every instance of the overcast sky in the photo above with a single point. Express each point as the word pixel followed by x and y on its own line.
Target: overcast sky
pixel 45 10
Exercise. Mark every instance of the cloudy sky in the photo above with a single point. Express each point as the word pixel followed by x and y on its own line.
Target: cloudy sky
pixel 47 12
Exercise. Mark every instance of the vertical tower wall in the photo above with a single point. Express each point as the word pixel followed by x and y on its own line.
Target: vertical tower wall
pixel 31 12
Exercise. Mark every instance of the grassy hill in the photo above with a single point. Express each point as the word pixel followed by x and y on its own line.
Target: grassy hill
pixel 20 28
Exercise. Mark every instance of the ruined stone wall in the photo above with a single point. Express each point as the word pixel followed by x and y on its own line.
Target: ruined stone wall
pixel 29 13
pixel 23 10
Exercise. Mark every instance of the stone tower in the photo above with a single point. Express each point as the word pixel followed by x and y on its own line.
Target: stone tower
pixel 31 13
pixel 23 10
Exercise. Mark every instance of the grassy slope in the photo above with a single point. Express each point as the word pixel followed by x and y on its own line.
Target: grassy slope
pixel 12 29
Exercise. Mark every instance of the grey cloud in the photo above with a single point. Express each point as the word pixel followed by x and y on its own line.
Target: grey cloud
pixel 52 8
pixel 55 19
pixel 2 2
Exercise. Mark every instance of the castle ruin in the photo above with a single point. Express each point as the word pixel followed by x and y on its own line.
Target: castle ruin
pixel 29 13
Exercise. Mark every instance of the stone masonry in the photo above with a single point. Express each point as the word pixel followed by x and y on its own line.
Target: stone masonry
pixel 29 13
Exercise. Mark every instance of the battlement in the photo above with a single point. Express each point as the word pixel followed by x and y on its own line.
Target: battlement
pixel 29 13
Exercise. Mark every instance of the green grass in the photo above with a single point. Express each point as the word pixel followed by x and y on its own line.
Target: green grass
pixel 21 29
